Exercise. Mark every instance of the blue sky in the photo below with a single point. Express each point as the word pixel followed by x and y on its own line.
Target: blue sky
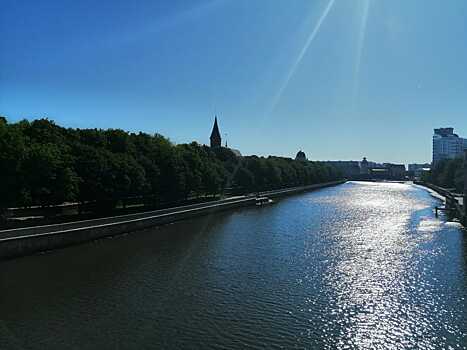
pixel 339 79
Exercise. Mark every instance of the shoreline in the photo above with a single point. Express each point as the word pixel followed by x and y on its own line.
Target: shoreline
pixel 450 201
pixel 26 241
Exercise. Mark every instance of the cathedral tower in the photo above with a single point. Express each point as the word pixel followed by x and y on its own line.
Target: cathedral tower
pixel 216 139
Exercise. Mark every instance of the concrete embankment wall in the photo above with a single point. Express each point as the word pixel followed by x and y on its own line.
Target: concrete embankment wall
pixel 26 241
pixel 33 230
pixel 451 201
pixel 435 188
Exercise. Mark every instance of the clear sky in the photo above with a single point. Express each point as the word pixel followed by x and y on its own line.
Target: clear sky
pixel 339 79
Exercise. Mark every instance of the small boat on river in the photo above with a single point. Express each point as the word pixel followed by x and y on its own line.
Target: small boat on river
pixel 263 201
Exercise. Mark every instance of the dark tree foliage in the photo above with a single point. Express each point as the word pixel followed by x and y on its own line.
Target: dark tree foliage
pixel 44 164
pixel 448 173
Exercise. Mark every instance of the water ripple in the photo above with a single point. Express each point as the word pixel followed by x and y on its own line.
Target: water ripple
pixel 359 266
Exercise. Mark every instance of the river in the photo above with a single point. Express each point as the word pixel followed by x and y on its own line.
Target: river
pixel 357 266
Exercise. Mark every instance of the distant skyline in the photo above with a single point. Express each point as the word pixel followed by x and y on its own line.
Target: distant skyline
pixel 339 80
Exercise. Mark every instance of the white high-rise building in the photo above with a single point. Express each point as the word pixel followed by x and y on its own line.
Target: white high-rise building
pixel 447 145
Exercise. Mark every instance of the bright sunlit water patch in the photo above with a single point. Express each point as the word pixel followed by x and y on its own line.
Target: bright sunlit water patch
pixel 428 224
pixel 358 266
pixel 372 278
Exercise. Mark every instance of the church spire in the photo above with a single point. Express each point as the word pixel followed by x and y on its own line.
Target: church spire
pixel 216 140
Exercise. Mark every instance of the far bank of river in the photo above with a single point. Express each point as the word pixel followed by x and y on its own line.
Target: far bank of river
pixel 23 241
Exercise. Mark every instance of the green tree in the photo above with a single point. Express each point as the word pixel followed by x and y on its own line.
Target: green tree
pixel 245 180
pixel 45 164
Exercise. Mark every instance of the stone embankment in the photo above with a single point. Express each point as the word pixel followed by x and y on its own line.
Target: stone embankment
pixel 23 241
pixel 454 203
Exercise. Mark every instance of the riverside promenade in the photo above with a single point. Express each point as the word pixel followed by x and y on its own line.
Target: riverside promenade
pixel 29 240
pixel 454 202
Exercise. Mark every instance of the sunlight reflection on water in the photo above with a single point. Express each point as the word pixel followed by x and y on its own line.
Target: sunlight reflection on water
pixel 358 266
pixel 381 300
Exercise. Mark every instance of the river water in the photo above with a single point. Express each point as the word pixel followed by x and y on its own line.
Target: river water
pixel 357 266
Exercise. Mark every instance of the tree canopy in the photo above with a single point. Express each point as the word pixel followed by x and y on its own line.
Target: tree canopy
pixel 448 173
pixel 45 164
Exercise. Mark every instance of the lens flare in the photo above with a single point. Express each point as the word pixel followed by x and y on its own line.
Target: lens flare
pixel 300 56
pixel 360 46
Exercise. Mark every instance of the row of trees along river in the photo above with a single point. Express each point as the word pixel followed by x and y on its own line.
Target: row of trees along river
pixel 44 164
pixel 448 173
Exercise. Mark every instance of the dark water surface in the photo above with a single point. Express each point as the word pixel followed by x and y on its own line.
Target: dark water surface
pixel 359 266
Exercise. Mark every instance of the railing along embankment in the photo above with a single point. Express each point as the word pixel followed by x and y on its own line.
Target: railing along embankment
pixel 23 241
pixel 455 203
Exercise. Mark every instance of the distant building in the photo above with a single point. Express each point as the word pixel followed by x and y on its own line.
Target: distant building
pixel 216 140
pixel 236 152
pixel 349 168
pixel 416 170
pixel 364 170
pixel 417 174
pixel 301 156
pixel 379 173
pixel 395 171
pixel 447 145
pixel 416 166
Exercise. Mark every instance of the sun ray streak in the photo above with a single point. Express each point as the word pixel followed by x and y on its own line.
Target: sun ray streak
pixel 302 53
pixel 360 44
